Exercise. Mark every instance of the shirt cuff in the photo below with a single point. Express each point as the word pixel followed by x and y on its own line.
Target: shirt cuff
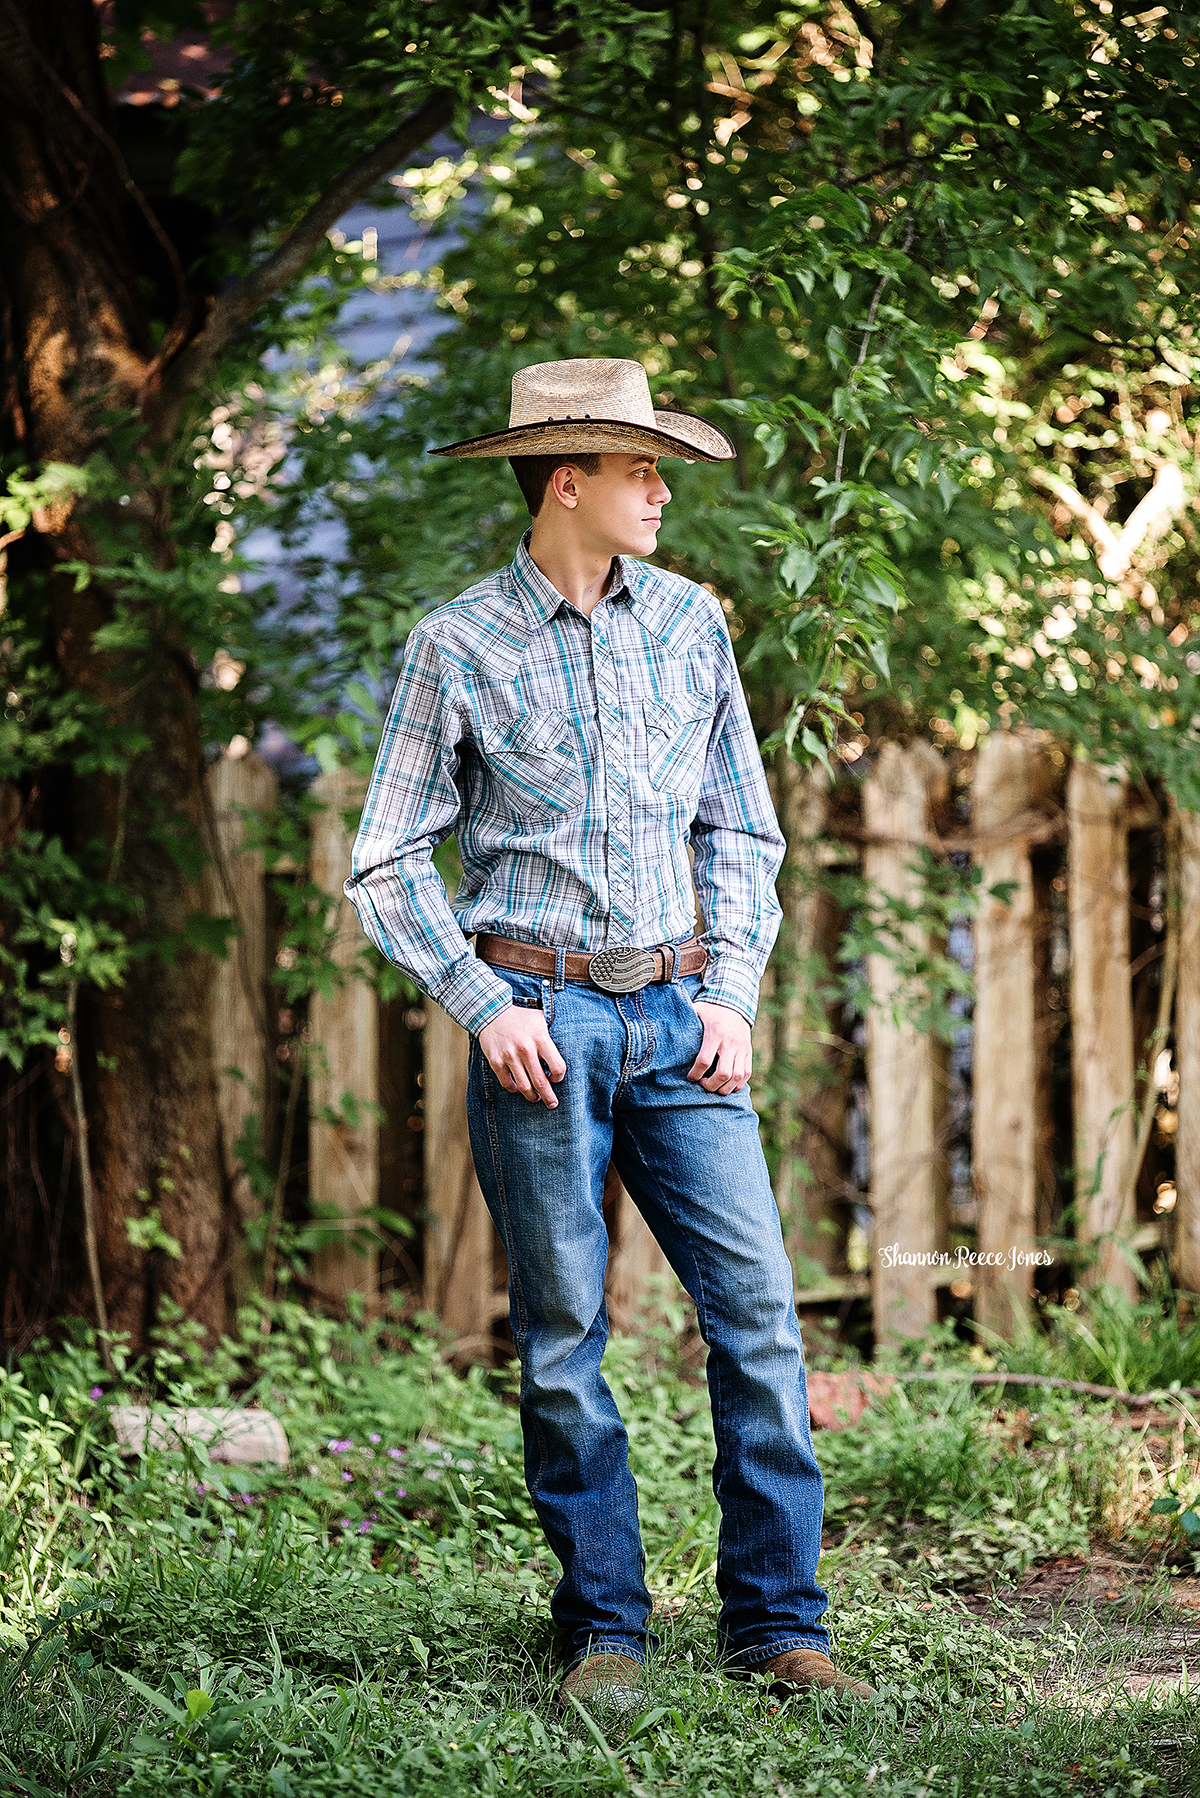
pixel 471 994
pixel 730 979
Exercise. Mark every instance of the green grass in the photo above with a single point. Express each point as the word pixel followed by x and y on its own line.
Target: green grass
pixel 375 1621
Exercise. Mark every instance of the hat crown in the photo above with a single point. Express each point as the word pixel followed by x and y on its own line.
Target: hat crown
pixel 602 387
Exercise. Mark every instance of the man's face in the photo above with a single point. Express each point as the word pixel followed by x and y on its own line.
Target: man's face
pixel 618 511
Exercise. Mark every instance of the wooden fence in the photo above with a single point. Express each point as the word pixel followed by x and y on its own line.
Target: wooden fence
pixel 1060 1054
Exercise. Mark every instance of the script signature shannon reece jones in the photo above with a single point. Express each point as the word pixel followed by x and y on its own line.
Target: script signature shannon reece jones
pixel 894 1256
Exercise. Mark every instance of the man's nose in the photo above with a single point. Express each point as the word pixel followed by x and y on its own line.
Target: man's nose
pixel 660 493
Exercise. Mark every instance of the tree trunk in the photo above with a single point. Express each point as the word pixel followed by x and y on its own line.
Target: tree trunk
pixel 78 348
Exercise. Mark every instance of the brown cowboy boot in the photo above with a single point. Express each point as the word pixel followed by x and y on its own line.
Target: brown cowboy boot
pixel 802 1669
pixel 612 1679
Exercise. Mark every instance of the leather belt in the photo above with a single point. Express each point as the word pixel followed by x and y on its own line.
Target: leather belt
pixel 621 970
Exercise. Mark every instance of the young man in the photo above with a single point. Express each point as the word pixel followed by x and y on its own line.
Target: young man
pixel 578 720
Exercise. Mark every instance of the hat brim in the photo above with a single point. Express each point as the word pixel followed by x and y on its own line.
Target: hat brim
pixel 674 434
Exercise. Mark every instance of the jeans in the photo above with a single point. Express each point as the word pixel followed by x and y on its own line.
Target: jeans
pixel 693 1164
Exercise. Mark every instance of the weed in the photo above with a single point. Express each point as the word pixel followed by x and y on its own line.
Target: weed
pixel 374 1619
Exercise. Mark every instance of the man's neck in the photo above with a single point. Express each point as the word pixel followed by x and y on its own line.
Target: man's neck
pixel 581 575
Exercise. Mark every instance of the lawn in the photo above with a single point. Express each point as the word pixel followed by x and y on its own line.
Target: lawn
pixel 374 1619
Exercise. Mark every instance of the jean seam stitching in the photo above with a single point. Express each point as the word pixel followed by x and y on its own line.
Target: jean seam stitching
pixel 753 1657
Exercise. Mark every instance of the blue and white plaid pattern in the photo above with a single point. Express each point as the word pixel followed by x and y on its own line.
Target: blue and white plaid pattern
pixel 575 759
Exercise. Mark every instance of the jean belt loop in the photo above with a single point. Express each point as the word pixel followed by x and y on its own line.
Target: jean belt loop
pixel 560 969
pixel 674 962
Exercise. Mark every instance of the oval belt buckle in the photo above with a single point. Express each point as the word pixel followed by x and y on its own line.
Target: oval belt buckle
pixel 621 970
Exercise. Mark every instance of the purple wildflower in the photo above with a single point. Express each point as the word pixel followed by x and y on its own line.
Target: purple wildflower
pixel 395 1454
pixel 345 1523
pixel 374 1438
pixel 377 1495
pixel 346 1474
pixel 400 1492
pixel 98 1392
pixel 363 1528
pixel 339 1448
pixel 200 1491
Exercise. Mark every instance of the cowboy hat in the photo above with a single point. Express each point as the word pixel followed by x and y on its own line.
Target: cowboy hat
pixel 597 404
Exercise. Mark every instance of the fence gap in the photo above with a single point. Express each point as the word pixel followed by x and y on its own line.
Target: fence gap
pixel 905 1069
pixel 1102 1057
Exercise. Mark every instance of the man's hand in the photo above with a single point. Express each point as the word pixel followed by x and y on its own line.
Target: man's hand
pixel 727 1042
pixel 516 1044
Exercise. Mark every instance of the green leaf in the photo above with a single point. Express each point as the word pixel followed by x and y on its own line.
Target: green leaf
pixel 774 441
pixel 325 749
pixel 1165 1506
pixel 168 1709
pixel 210 935
pixel 798 569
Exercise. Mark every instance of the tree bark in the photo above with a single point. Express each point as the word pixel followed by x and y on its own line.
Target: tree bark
pixel 78 349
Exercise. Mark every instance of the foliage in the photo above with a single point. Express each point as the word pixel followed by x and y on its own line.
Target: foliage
pixel 374 1618
pixel 907 932
pixel 1151 1345
pixel 933 268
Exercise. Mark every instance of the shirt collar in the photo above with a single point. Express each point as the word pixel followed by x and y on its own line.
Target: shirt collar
pixel 541 599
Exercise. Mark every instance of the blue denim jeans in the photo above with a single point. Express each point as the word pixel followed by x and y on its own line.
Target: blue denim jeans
pixel 693 1164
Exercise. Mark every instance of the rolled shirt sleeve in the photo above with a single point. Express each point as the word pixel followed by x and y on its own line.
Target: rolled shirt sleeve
pixel 738 851
pixel 413 805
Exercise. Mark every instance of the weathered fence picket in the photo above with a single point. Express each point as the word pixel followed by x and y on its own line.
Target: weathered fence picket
pixel 459 1238
pixel 343 1139
pixel 234 887
pixel 1102 1053
pixel 1012 779
pixel 906 1067
pixel 1187 1058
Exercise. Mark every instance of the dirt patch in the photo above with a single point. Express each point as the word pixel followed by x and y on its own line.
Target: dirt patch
pixel 1115 1626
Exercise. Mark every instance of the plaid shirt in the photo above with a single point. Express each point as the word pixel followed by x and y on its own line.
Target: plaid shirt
pixel 575 758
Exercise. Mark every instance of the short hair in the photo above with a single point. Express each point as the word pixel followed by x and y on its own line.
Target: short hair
pixel 534 473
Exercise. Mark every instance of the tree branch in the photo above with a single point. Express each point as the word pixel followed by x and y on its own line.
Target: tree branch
pixel 859 15
pixel 1149 518
pixel 234 308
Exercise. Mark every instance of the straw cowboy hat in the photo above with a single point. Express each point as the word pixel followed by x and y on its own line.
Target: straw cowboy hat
pixel 597 404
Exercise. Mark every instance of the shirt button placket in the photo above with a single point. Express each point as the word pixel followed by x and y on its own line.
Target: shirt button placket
pixel 614 736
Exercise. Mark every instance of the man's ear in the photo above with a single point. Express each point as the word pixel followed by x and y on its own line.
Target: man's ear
pixel 563 487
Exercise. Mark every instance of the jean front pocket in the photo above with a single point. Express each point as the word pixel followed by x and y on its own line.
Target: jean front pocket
pixel 530 992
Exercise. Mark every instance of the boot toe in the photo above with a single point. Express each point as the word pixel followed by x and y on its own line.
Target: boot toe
pixel 614 1680
pixel 806 1670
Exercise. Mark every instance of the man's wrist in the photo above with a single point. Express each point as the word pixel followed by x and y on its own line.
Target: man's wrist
pixel 732 981
pixel 473 995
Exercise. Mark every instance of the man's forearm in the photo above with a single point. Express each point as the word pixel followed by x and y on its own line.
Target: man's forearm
pixel 407 916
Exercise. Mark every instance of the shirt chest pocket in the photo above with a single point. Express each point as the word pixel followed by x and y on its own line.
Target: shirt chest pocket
pixel 677 730
pixel 534 762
